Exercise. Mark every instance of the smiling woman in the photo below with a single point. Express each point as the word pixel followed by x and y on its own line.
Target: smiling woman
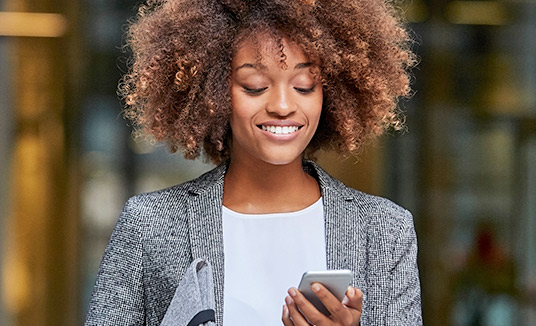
pixel 256 85
pixel 270 99
pixel 176 88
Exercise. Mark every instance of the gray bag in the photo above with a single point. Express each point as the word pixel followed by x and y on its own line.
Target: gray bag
pixel 193 303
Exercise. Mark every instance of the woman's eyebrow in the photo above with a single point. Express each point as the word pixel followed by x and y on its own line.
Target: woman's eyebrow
pixel 257 66
pixel 303 65
pixel 260 66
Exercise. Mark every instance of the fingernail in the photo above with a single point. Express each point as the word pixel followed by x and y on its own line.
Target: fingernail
pixel 351 291
pixel 292 292
pixel 285 310
pixel 288 300
pixel 345 300
pixel 315 287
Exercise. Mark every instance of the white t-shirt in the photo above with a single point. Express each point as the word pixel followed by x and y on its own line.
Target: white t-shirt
pixel 265 255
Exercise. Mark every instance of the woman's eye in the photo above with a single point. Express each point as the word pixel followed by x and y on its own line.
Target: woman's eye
pixel 254 91
pixel 305 90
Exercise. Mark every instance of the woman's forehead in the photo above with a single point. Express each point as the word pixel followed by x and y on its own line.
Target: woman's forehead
pixel 262 50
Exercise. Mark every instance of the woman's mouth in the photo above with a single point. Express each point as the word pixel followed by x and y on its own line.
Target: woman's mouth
pixel 280 130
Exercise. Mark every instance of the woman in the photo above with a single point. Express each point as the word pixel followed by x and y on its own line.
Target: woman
pixel 258 85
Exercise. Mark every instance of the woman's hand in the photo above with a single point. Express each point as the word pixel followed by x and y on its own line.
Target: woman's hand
pixel 299 311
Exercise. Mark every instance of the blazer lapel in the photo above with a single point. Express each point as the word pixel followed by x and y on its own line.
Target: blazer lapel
pixel 341 221
pixel 337 230
pixel 206 231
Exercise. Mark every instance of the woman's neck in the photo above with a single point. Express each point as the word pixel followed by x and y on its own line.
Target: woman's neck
pixel 260 187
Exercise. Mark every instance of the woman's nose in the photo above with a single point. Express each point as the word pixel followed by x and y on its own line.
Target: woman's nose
pixel 280 103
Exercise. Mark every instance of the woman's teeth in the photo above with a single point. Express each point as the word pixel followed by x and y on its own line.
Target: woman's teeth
pixel 280 130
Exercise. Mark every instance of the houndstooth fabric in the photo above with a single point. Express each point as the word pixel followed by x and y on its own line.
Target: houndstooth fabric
pixel 159 234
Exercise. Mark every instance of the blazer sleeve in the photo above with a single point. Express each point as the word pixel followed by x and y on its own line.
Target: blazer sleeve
pixel 404 306
pixel 117 297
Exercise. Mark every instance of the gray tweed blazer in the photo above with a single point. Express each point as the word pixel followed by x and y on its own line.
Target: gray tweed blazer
pixel 159 234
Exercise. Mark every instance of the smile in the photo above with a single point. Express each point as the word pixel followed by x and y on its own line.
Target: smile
pixel 278 130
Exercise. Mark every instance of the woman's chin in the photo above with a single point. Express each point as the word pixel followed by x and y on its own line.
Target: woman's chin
pixel 282 159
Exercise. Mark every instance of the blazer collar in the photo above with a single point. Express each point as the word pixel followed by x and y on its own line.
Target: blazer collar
pixel 215 178
pixel 340 214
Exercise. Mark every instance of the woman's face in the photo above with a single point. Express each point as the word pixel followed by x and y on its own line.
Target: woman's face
pixel 275 107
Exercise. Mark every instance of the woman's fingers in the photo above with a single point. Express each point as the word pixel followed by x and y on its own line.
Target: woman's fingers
pixel 308 311
pixel 332 304
pixel 347 312
pixel 353 299
pixel 286 317
pixel 353 303
pixel 299 311
pixel 294 313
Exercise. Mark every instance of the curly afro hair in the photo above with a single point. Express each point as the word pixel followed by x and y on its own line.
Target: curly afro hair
pixel 178 86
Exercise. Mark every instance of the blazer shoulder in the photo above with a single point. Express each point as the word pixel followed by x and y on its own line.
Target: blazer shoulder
pixel 162 208
pixel 385 222
pixel 380 210
pixel 370 206
pixel 164 197
pixel 382 207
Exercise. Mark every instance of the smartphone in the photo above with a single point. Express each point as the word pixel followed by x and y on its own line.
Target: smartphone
pixel 336 281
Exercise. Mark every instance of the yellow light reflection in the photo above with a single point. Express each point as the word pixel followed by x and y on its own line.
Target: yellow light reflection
pixel 32 24
pixel 416 11
pixel 477 13
pixel 16 283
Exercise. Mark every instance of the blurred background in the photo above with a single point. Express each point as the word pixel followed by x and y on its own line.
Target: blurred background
pixel 466 168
